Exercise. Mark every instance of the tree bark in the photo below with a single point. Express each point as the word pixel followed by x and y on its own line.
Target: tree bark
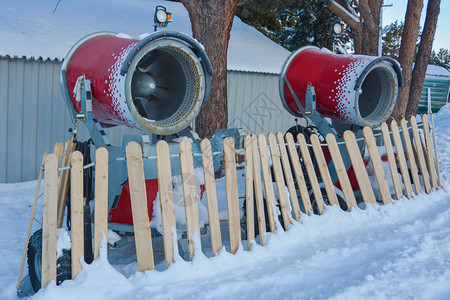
pixel 423 56
pixel 407 53
pixel 365 33
pixel 211 22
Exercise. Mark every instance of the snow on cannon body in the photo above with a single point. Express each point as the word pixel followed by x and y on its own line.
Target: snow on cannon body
pixel 353 91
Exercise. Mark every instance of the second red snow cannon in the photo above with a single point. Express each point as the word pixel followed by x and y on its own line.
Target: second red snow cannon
pixel 334 93
pixel 355 89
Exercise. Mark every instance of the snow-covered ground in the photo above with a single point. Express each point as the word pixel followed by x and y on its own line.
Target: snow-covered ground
pixel 395 251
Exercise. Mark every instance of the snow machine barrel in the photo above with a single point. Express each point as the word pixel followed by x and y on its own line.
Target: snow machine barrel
pixel 356 89
pixel 157 84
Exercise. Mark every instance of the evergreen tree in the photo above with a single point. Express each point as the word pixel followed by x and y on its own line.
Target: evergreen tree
pixel 442 58
pixel 392 40
pixel 293 24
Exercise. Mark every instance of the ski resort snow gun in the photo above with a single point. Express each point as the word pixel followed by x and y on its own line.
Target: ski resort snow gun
pixel 156 84
pixel 353 91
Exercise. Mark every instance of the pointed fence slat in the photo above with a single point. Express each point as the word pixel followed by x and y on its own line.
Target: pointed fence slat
pixel 58 151
pixel 258 189
pixel 33 210
pixel 279 179
pixel 267 178
pixel 288 175
pixel 49 220
pixel 420 155
pixel 76 211
pixel 249 207
pixel 139 208
pixel 101 199
pixel 234 222
pixel 410 156
pixel 402 159
pixel 341 171
pixel 63 187
pixel 323 169
pixel 358 166
pixel 298 172
pixel 391 160
pixel 211 196
pixel 311 173
pixel 189 194
pixel 429 152
pixel 435 152
pixel 377 166
pixel 165 190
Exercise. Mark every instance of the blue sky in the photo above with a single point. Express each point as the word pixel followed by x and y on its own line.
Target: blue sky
pixel 398 11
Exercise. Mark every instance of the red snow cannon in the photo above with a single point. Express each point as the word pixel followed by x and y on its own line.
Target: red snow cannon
pixel 356 89
pixel 157 83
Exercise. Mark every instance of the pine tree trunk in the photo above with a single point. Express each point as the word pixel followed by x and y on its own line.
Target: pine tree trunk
pixel 366 32
pixel 211 25
pixel 423 56
pixel 407 53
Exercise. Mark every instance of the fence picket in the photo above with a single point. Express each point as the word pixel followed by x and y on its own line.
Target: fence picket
pixel 58 151
pixel 63 187
pixel 288 175
pixel 189 194
pixel 139 207
pixel 165 190
pixel 258 189
pixel 429 152
pixel 311 173
pixel 377 166
pixel 234 221
pixel 391 160
pixel 298 172
pixel 358 166
pixel 279 179
pixel 249 207
pixel 435 152
pixel 267 178
pixel 76 211
pixel 49 220
pixel 410 155
pixel 211 196
pixel 323 169
pixel 420 156
pixel 101 199
pixel 341 171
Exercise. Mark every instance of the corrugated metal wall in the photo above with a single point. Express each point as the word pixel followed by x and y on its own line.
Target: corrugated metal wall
pixel 439 89
pixel 254 103
pixel 33 115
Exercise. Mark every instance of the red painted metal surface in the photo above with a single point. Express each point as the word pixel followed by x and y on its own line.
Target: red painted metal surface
pixel 100 60
pixel 122 212
pixel 333 77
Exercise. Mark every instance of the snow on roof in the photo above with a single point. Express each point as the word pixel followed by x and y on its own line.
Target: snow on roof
pixel 437 72
pixel 30 28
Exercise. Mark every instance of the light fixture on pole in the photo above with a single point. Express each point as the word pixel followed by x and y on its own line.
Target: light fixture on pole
pixel 162 17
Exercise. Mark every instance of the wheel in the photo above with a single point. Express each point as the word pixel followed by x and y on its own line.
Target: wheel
pixel 63 264
pixel 255 216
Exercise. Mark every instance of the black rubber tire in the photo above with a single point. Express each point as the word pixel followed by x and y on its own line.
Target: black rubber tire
pixel 255 216
pixel 34 253
pixel 341 201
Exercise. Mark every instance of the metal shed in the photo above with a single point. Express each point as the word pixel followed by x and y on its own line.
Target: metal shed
pixel 436 88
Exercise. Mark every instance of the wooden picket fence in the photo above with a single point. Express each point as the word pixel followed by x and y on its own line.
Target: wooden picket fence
pixel 421 154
